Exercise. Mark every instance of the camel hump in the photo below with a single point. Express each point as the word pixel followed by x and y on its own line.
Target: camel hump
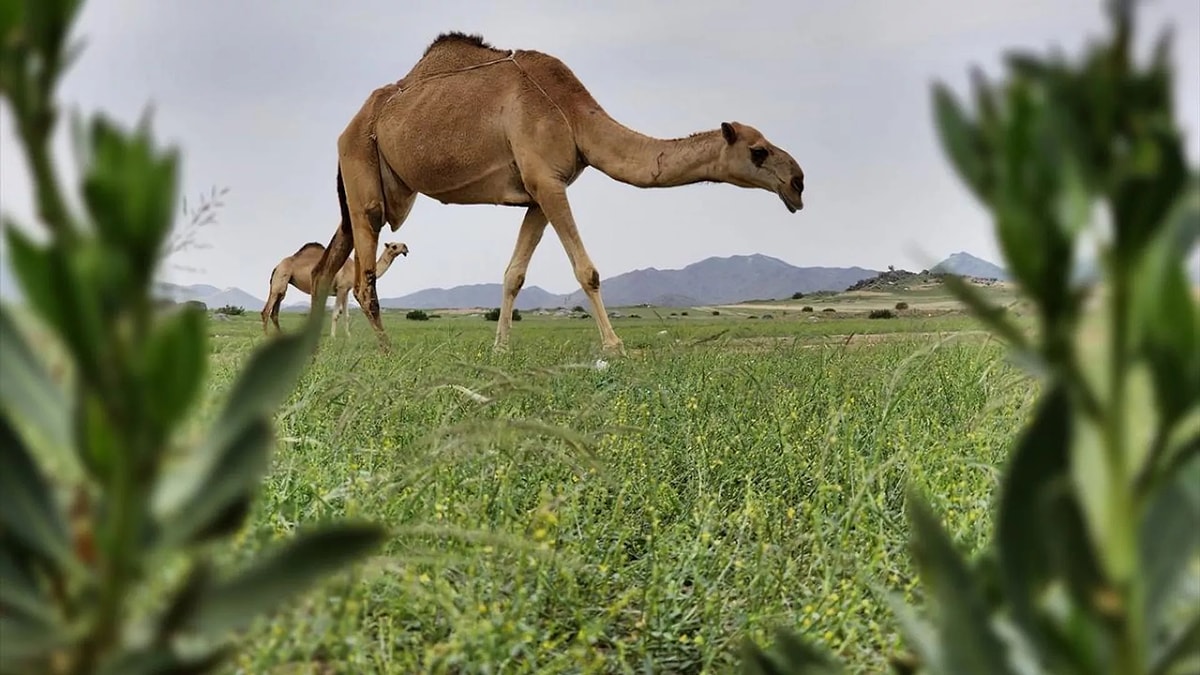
pixel 311 244
pixel 455 37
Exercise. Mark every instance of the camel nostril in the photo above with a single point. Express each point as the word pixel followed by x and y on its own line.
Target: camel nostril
pixel 798 184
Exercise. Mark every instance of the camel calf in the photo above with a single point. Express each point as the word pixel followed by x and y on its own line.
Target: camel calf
pixel 296 270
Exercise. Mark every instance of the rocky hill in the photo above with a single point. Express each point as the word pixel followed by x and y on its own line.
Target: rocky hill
pixel 722 280
pixel 964 264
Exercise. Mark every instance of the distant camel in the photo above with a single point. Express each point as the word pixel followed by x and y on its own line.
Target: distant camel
pixel 472 124
pixel 297 268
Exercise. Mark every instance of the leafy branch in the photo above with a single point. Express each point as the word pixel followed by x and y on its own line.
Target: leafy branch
pixel 1098 519
pixel 97 489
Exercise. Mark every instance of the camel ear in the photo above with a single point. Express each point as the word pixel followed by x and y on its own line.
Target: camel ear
pixel 728 132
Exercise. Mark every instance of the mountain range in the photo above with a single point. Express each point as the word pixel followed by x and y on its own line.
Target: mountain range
pixel 715 280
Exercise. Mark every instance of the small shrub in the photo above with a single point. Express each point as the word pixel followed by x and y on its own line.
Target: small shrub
pixel 579 309
pixel 901 305
pixel 806 308
pixel 683 313
pixel 230 310
pixel 417 315
pixel 1090 566
pixel 494 314
pixel 881 314
pixel 829 310
pixel 716 313
pixel 115 439
pixel 797 295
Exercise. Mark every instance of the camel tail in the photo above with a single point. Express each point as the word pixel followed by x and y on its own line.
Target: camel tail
pixel 344 227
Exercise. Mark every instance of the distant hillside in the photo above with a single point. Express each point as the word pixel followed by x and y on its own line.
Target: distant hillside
pixel 472 295
pixel 210 295
pixel 721 280
pixel 964 264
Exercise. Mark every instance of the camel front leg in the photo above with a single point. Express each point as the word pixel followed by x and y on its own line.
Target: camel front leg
pixel 341 311
pixel 532 228
pixel 553 199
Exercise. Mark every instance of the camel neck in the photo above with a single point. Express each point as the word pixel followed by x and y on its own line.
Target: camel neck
pixel 645 161
pixel 382 265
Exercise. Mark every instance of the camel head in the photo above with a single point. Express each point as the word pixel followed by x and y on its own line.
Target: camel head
pixel 395 248
pixel 749 160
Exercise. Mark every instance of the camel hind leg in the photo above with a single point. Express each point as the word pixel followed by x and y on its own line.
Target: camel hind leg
pixel 278 289
pixel 363 206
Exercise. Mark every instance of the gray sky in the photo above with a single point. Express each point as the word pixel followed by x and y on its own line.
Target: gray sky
pixel 257 93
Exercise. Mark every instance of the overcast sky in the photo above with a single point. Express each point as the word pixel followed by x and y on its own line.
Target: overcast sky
pixel 257 92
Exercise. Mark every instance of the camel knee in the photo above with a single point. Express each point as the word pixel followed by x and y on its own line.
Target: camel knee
pixel 514 280
pixel 589 277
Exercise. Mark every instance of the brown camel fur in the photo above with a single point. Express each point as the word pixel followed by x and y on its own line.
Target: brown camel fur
pixel 297 270
pixel 472 124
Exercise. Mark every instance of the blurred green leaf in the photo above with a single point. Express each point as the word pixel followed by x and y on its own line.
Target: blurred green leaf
pixel 193 513
pixel 23 644
pixel 38 269
pixel 130 191
pixel 1149 183
pixel 27 511
pixel 1072 551
pixel 920 635
pixel 159 659
pixel 962 143
pixel 790 655
pixel 1168 538
pixel 175 361
pixel 1181 655
pixel 1039 459
pixel 268 378
pixel 968 641
pixel 19 597
pixel 1095 484
pixel 281 574
pixel 34 403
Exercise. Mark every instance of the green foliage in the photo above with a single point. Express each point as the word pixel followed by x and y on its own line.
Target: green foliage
pixel 901 305
pixel 806 308
pixel 420 315
pixel 881 314
pixel 230 310
pixel 494 314
pixel 99 488
pixel 1092 566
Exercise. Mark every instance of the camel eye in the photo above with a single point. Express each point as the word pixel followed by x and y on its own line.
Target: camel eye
pixel 758 156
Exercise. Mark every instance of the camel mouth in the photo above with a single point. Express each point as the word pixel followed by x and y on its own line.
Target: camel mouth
pixel 792 205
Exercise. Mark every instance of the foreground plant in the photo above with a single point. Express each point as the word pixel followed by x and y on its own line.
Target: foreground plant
pixel 97 491
pixel 1093 564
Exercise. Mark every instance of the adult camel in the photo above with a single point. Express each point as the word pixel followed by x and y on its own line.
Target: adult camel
pixel 472 124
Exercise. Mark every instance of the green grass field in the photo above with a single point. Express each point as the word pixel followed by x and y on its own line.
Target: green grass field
pixel 728 476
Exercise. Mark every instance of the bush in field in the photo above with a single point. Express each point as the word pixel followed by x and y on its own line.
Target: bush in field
pixel 91 507
pixel 806 308
pixel 494 314
pixel 881 314
pixel 901 305
pixel 420 315
pixel 230 310
pixel 1092 564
